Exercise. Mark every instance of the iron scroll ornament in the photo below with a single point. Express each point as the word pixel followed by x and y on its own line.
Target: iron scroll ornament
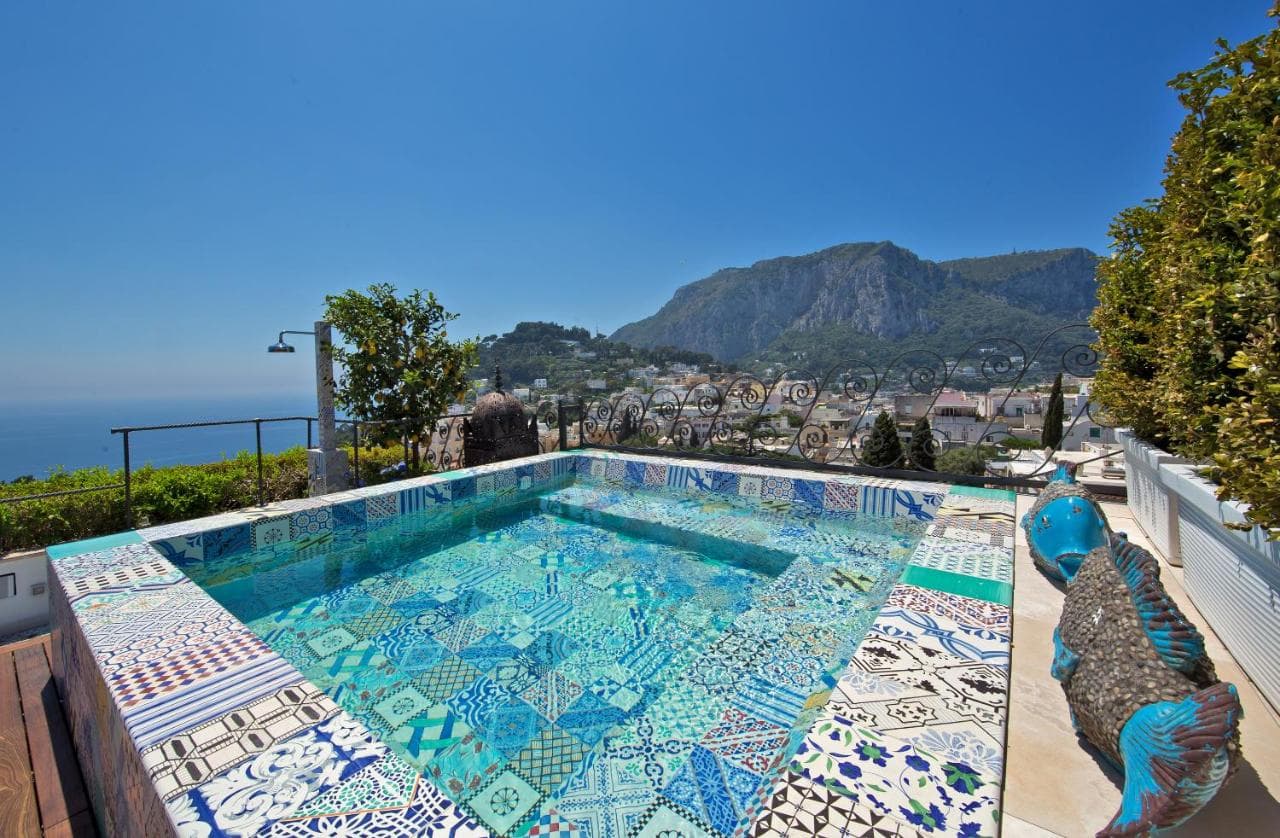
pixel 733 416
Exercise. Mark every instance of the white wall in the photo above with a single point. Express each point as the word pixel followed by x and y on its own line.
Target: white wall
pixel 25 610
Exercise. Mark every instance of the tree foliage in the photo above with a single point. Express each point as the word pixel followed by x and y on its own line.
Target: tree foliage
pixel 1051 434
pixel 399 366
pixel 1189 302
pixel 921 446
pixel 966 459
pixel 883 449
pixel 536 349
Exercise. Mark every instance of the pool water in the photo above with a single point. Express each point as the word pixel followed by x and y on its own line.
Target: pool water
pixel 579 654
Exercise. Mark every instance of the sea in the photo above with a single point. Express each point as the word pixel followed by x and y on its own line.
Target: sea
pixel 37 438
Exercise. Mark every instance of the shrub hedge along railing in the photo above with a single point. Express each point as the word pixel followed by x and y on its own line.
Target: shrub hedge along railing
pixel 161 495
pixel 1189 303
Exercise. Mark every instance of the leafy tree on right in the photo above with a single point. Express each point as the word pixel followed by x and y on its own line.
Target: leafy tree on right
pixel 1188 314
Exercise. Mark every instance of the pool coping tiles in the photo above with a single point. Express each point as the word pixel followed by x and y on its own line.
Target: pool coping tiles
pixel 214 733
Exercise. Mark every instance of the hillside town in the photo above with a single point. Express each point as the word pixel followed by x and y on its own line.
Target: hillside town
pixel 1007 423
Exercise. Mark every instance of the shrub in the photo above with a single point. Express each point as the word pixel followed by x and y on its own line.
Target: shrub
pixel 181 492
pixel 171 493
pixel 1019 444
pixel 42 522
pixel 383 464
pixel 1189 306
pixel 965 460
pixel 160 495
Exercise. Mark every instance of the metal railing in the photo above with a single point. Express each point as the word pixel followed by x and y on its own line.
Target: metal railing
pixel 728 420
pixel 733 419
pixel 257 423
pixel 441 446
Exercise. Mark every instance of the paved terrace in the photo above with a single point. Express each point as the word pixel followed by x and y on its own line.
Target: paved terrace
pixel 1054 784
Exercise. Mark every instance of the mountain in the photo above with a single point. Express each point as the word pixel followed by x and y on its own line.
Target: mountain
pixel 871 299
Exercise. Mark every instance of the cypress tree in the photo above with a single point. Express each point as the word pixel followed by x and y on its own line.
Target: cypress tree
pixel 883 449
pixel 626 428
pixel 921 446
pixel 1051 435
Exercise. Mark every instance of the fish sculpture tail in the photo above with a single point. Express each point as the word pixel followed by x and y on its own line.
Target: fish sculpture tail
pixel 1176 754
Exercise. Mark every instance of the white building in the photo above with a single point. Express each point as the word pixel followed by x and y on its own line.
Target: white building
pixel 1011 407
pixel 952 415
pixel 1084 430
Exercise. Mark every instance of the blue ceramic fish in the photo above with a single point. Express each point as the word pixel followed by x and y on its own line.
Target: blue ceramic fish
pixel 1063 526
pixel 1140 687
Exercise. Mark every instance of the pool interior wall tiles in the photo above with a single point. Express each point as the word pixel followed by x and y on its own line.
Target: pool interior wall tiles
pixel 187 722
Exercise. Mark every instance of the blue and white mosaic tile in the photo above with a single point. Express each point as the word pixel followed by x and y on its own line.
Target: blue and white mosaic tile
pixel 653 645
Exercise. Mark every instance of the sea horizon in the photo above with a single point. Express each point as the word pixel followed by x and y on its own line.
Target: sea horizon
pixel 37 437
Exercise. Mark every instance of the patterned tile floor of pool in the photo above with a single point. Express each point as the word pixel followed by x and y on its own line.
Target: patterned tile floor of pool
pixel 601 659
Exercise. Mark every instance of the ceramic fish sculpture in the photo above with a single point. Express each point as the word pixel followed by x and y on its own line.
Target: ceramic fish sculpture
pixel 1139 684
pixel 1063 526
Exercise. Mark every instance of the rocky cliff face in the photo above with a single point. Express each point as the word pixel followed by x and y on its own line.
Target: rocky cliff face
pixel 879 290
pixel 1057 283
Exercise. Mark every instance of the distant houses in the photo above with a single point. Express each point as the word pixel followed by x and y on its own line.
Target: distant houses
pixel 957 417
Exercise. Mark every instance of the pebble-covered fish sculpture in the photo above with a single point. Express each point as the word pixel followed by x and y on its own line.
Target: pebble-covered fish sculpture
pixel 1137 679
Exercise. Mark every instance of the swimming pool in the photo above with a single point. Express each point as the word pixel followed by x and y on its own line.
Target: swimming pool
pixel 574 644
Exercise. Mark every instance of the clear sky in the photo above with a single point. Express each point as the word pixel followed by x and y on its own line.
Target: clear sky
pixel 178 181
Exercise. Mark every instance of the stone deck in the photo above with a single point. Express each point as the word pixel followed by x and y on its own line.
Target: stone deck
pixel 1054 784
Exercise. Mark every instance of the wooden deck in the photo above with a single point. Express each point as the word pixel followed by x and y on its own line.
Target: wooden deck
pixel 41 790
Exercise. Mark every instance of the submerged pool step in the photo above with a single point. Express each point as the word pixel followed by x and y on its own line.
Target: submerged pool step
pixel 670 527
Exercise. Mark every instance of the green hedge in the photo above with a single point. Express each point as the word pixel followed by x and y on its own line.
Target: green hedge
pixel 161 495
pixel 374 460
pixel 1189 303
pixel 39 523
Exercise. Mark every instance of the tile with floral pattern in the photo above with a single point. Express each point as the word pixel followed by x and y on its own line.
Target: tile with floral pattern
pixel 935 791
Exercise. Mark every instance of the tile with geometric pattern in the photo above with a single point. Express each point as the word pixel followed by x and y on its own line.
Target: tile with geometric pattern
pixel 550 758
pixel 184 761
pixel 965 557
pixel 797 806
pixel 960 609
pixel 641 652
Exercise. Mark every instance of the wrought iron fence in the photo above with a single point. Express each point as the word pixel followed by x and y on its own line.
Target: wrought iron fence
pixel 792 418
pixel 800 418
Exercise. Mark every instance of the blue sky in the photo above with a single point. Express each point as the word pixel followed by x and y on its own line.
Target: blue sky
pixel 180 181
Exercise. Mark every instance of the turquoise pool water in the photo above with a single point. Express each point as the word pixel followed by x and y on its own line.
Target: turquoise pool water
pixel 557 650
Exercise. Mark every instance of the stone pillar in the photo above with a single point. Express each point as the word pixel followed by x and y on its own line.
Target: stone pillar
pixel 326 465
pixel 325 385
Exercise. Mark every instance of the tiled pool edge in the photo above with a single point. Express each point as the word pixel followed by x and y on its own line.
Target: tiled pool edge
pixel 143 569
pixel 123 800
pixel 922 781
